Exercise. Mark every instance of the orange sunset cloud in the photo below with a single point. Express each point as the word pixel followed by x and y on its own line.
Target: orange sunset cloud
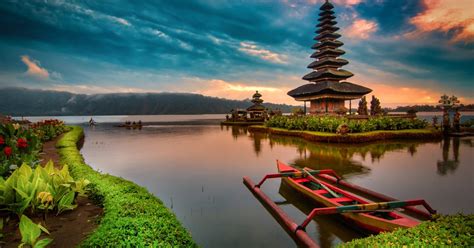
pixel 361 29
pixel 446 16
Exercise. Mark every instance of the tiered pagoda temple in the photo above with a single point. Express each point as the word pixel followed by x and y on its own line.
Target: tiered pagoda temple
pixel 257 110
pixel 325 92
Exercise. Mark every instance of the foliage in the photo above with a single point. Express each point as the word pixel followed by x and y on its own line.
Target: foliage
pixel 40 189
pixel 449 230
pixel 132 216
pixel 30 233
pixel 17 145
pixel 48 129
pixel 330 123
pixel 375 108
pixel 362 110
pixel 468 123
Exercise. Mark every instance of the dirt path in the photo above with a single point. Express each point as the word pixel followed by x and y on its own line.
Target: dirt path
pixel 69 228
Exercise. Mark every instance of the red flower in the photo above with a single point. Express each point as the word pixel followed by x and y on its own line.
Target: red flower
pixel 21 143
pixel 7 151
pixel 2 141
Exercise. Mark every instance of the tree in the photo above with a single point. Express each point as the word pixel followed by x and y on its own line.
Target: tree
pixel 375 108
pixel 362 110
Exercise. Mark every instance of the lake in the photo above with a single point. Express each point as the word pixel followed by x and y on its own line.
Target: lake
pixel 196 167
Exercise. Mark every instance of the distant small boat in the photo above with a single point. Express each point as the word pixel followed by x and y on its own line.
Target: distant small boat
pixel 130 125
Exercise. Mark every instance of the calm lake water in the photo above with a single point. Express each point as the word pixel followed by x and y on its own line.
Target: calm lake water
pixel 196 167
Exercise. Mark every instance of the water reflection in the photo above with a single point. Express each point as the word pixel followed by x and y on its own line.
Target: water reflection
pixel 197 171
pixel 446 165
pixel 329 227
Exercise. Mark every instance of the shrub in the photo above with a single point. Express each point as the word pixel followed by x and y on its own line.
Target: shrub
pixel 17 145
pixel 42 189
pixel 449 230
pixel 48 129
pixel 330 123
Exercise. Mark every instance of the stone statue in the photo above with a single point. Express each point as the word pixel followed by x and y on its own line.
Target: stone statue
pixel 457 121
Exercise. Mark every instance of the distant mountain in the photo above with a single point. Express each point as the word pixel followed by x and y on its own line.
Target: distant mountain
pixel 29 102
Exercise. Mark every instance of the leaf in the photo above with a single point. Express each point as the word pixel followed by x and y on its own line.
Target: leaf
pixel 29 230
pixel 43 243
pixel 65 203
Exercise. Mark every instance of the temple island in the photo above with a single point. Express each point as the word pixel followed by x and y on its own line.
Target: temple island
pixel 325 92
pixel 328 92
pixel 256 114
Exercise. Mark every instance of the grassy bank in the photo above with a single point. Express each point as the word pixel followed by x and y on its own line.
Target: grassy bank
pixel 133 217
pixel 352 137
pixel 452 231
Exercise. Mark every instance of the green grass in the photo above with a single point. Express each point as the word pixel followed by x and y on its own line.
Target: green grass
pixel 450 230
pixel 133 217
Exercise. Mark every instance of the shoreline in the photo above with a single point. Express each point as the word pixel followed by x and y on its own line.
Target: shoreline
pixel 423 134
pixel 133 217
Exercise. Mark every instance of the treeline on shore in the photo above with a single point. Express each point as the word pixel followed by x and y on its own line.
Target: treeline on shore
pixel 427 108
pixel 29 102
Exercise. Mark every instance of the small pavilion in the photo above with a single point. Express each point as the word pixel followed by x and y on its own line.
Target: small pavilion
pixel 325 92
pixel 255 114
pixel 257 111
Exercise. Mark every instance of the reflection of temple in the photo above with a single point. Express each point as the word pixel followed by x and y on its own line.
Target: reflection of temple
pixel 447 165
pixel 325 92
pixel 255 114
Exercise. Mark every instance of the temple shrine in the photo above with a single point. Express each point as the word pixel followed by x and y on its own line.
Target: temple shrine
pixel 255 114
pixel 325 92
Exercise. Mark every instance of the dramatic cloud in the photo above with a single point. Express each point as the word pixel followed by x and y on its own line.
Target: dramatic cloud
pixel 264 54
pixel 338 2
pixel 361 29
pixel 120 20
pixel 456 17
pixel 34 68
pixel 231 48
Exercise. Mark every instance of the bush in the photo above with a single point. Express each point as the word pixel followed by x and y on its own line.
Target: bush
pixel 449 230
pixel 48 129
pixel 18 145
pixel 40 190
pixel 132 216
pixel 330 123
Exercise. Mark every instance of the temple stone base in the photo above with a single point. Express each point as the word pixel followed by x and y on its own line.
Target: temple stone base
pixel 326 106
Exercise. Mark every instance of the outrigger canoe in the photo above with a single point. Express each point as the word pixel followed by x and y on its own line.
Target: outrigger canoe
pixel 331 196
pixel 372 216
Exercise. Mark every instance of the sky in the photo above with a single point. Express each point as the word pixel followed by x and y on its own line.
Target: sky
pixel 407 51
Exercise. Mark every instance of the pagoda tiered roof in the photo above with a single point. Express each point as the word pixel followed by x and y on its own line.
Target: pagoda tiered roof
pixel 342 90
pixel 327 72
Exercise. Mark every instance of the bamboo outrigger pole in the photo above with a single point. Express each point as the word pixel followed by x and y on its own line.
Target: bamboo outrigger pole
pixel 294 230
pixel 361 208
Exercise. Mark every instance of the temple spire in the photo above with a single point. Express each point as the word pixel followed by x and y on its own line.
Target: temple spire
pixel 326 67
pixel 327 90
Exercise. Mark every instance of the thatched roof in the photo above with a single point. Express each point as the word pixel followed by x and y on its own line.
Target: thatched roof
pixel 328 73
pixel 328 61
pixel 329 87
pixel 329 44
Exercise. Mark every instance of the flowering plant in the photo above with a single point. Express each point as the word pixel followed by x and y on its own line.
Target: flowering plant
pixel 17 145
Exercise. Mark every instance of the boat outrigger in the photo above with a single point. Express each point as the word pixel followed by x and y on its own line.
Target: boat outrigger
pixel 325 188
